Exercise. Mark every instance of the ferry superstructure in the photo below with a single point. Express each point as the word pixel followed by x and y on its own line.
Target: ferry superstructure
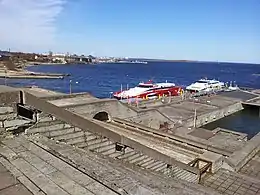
pixel 205 85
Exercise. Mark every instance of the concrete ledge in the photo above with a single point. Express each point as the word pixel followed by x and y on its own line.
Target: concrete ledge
pixel 239 158
pixel 190 140
pixel 60 96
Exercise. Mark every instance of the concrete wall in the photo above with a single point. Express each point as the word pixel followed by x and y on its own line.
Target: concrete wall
pixel 150 118
pixel 112 107
pixel 214 115
pixel 10 98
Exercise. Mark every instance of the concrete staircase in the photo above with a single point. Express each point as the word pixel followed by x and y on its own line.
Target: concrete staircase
pixel 63 132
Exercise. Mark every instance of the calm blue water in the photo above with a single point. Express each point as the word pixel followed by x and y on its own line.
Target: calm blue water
pixel 102 79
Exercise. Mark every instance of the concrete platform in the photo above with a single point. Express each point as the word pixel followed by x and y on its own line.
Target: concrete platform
pixel 79 154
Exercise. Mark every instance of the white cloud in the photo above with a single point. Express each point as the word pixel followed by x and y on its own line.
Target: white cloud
pixel 28 24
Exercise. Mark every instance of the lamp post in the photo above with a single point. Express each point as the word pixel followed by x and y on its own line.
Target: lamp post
pixel 5 74
pixel 110 95
pixel 71 85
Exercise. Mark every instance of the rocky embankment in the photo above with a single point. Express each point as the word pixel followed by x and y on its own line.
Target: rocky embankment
pixel 13 71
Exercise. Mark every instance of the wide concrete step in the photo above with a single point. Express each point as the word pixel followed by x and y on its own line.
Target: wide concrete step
pixel 76 140
pixel 111 147
pixel 45 119
pixel 62 132
pixel 48 123
pixel 69 136
pixel 109 151
pixel 104 143
pixel 176 172
pixel 44 129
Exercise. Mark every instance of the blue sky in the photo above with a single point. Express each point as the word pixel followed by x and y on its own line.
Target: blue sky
pixel 224 30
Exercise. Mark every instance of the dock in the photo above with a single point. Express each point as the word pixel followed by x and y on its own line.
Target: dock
pixel 55 143
pixel 30 75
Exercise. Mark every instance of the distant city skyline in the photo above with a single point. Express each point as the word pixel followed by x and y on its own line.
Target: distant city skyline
pixel 220 30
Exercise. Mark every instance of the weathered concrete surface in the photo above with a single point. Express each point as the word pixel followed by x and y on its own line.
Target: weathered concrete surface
pixel 61 169
pixel 113 107
pixel 9 96
pixel 239 158
pixel 74 101
pixel 9 185
pixel 42 93
pixel 226 182
pixel 228 139
pixel 252 168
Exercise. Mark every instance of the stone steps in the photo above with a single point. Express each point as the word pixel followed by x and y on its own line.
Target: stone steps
pixel 58 130
pixel 62 132
pixel 44 129
pixel 47 123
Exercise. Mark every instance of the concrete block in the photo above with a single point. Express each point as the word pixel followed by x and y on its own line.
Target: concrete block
pixel 5 110
pixel 67 184
pixel 16 122
pixel 216 159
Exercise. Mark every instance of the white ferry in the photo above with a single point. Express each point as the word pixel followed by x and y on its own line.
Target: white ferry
pixel 205 85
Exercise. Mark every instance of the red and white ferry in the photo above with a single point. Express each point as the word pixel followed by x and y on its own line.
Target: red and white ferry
pixel 149 90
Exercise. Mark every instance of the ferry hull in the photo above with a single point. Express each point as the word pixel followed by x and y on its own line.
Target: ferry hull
pixel 173 91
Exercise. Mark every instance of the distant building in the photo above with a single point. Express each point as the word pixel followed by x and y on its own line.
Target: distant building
pixel 78 59
pixel 4 56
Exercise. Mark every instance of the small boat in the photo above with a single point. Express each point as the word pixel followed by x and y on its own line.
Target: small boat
pixel 205 85
pixel 149 90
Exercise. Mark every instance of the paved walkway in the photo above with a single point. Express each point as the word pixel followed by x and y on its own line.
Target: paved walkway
pixel 9 185
pixel 227 182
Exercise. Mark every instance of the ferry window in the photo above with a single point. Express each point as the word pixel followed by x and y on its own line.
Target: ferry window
pixel 145 86
pixel 201 82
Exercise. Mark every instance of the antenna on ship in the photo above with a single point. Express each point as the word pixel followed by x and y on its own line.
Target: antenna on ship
pixel 121 91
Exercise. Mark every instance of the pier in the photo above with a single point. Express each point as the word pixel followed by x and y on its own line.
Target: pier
pixel 55 143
